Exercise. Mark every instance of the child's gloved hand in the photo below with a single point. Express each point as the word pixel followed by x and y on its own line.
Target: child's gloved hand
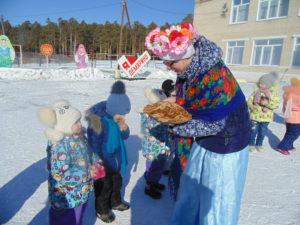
pixel 120 120
pixel 123 126
pixel 97 171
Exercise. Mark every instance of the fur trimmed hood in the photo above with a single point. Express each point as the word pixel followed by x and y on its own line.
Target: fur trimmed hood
pixel 94 121
pixel 93 116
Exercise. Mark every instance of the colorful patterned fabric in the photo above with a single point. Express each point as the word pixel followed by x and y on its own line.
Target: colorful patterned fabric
pixel 208 93
pixel 264 113
pixel 208 90
pixel 155 137
pixel 69 178
pixel 181 149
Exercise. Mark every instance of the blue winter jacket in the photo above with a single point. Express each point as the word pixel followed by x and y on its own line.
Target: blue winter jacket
pixel 98 141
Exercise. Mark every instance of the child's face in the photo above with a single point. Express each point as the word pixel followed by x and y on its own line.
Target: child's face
pixel 173 94
pixel 262 86
pixel 76 127
pixel 119 118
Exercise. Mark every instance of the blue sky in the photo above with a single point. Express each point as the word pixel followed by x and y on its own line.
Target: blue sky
pixel 99 11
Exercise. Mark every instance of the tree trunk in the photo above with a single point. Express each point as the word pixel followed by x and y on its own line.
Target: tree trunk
pixel 71 44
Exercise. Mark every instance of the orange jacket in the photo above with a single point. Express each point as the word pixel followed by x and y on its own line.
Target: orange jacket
pixel 291 104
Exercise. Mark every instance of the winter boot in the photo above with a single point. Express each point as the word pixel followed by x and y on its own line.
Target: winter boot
pixel 106 217
pixel 152 192
pixel 121 207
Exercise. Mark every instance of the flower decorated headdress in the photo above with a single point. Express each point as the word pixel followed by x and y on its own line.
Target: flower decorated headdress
pixel 173 43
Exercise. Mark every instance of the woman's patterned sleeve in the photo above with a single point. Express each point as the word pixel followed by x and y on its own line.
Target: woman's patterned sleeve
pixel 199 128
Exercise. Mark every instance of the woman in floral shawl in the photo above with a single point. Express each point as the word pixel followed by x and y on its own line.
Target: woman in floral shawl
pixel 212 182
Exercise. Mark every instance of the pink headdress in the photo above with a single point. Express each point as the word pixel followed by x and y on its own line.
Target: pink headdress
pixel 173 43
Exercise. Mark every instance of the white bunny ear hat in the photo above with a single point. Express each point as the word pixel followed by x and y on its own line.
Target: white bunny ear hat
pixel 59 118
pixel 154 95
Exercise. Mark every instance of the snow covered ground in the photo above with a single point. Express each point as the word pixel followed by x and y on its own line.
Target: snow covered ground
pixel 272 193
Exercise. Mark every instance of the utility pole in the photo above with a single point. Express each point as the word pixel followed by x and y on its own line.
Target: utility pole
pixel 3 32
pixel 124 11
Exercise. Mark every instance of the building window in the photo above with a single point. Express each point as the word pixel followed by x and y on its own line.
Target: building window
pixel 271 9
pixel 296 53
pixel 235 50
pixel 239 11
pixel 267 52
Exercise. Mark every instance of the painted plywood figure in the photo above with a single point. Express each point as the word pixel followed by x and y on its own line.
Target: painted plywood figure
pixel 81 58
pixel 7 52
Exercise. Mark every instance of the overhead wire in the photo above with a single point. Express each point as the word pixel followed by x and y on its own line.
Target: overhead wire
pixel 66 11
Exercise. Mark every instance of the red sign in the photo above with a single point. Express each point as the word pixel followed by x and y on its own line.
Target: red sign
pixel 131 65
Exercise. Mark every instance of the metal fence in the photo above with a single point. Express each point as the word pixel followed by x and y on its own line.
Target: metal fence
pixel 101 60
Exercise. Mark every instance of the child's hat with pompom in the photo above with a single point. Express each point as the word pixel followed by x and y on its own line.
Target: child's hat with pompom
pixel 118 102
pixel 60 118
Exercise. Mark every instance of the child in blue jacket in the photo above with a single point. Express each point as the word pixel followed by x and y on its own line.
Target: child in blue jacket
pixel 106 133
pixel 68 164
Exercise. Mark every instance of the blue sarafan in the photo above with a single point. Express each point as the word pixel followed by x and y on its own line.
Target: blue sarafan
pixel 7 52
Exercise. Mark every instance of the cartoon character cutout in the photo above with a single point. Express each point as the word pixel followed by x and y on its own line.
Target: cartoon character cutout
pixel 81 58
pixel 7 52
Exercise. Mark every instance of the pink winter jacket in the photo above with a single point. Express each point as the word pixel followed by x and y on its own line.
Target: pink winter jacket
pixel 291 104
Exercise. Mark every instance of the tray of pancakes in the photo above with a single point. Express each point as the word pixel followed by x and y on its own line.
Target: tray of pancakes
pixel 167 112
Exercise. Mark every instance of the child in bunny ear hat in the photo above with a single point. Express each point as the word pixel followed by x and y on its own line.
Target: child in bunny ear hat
pixel 67 163
pixel 154 146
